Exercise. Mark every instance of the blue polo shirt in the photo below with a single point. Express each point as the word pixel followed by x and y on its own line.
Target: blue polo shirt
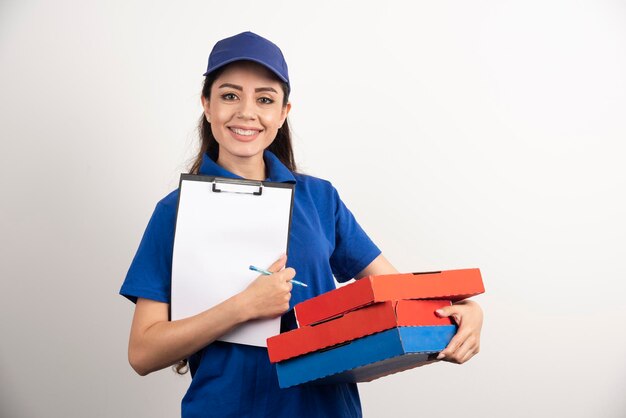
pixel 235 380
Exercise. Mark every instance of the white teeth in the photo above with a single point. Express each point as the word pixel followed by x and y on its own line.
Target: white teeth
pixel 245 132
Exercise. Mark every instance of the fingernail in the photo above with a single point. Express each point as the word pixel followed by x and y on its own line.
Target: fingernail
pixel 439 312
pixel 440 356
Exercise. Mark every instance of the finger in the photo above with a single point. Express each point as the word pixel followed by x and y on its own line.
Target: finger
pixel 463 350
pixel 445 311
pixel 467 356
pixel 278 264
pixel 449 311
pixel 288 274
pixel 453 345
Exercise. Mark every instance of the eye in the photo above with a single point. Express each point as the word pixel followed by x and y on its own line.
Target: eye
pixel 229 96
pixel 266 100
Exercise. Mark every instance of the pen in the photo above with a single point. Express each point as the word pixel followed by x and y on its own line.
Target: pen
pixel 267 273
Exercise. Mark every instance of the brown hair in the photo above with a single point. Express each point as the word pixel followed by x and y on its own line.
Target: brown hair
pixel 281 147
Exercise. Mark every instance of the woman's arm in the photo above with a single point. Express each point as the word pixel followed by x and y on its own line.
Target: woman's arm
pixel 155 342
pixel 467 314
pixel 380 265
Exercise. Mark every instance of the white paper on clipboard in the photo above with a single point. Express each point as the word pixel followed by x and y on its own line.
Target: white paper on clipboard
pixel 222 227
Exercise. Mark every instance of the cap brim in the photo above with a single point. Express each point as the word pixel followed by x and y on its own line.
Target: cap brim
pixel 258 61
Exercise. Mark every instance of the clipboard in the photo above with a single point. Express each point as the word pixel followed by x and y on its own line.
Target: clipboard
pixel 222 227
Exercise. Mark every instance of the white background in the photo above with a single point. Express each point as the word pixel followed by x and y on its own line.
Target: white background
pixel 461 134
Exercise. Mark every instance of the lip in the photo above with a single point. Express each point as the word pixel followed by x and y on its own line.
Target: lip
pixel 244 138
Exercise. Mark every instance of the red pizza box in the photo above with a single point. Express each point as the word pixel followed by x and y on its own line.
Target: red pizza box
pixel 355 324
pixel 451 285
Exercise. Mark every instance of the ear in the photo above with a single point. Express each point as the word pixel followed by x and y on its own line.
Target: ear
pixel 207 109
pixel 284 113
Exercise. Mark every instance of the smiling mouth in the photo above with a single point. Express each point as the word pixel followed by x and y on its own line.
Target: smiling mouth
pixel 245 132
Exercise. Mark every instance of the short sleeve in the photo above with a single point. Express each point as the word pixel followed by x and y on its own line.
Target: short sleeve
pixel 354 250
pixel 149 275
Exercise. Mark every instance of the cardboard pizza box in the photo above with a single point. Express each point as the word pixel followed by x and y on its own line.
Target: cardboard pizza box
pixel 451 285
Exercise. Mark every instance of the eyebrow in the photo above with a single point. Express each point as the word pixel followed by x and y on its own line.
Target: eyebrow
pixel 236 87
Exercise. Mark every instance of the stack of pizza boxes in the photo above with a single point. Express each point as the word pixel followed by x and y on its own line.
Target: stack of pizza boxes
pixel 370 328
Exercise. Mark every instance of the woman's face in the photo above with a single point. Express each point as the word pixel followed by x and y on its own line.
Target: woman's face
pixel 245 110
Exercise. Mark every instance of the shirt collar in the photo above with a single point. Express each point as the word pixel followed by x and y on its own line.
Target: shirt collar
pixel 277 172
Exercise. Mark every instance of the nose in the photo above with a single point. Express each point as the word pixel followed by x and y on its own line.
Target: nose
pixel 246 109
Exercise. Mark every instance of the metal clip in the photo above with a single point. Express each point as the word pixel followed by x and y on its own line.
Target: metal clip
pixel 239 183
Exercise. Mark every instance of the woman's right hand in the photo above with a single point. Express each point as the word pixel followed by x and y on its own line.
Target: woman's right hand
pixel 268 296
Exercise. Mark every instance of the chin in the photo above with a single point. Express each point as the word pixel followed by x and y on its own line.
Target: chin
pixel 244 152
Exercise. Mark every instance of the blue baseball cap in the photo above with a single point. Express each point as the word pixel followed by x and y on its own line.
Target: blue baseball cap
pixel 248 46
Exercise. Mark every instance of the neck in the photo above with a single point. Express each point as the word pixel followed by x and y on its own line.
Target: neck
pixel 248 168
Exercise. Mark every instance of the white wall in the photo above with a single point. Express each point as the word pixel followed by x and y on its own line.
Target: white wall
pixel 462 134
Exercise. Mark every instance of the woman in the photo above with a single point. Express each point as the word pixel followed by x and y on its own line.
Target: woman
pixel 244 133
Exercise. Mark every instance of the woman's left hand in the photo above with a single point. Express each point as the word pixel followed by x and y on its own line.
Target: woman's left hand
pixel 466 343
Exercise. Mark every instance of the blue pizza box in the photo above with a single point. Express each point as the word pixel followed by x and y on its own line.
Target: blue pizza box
pixel 367 358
